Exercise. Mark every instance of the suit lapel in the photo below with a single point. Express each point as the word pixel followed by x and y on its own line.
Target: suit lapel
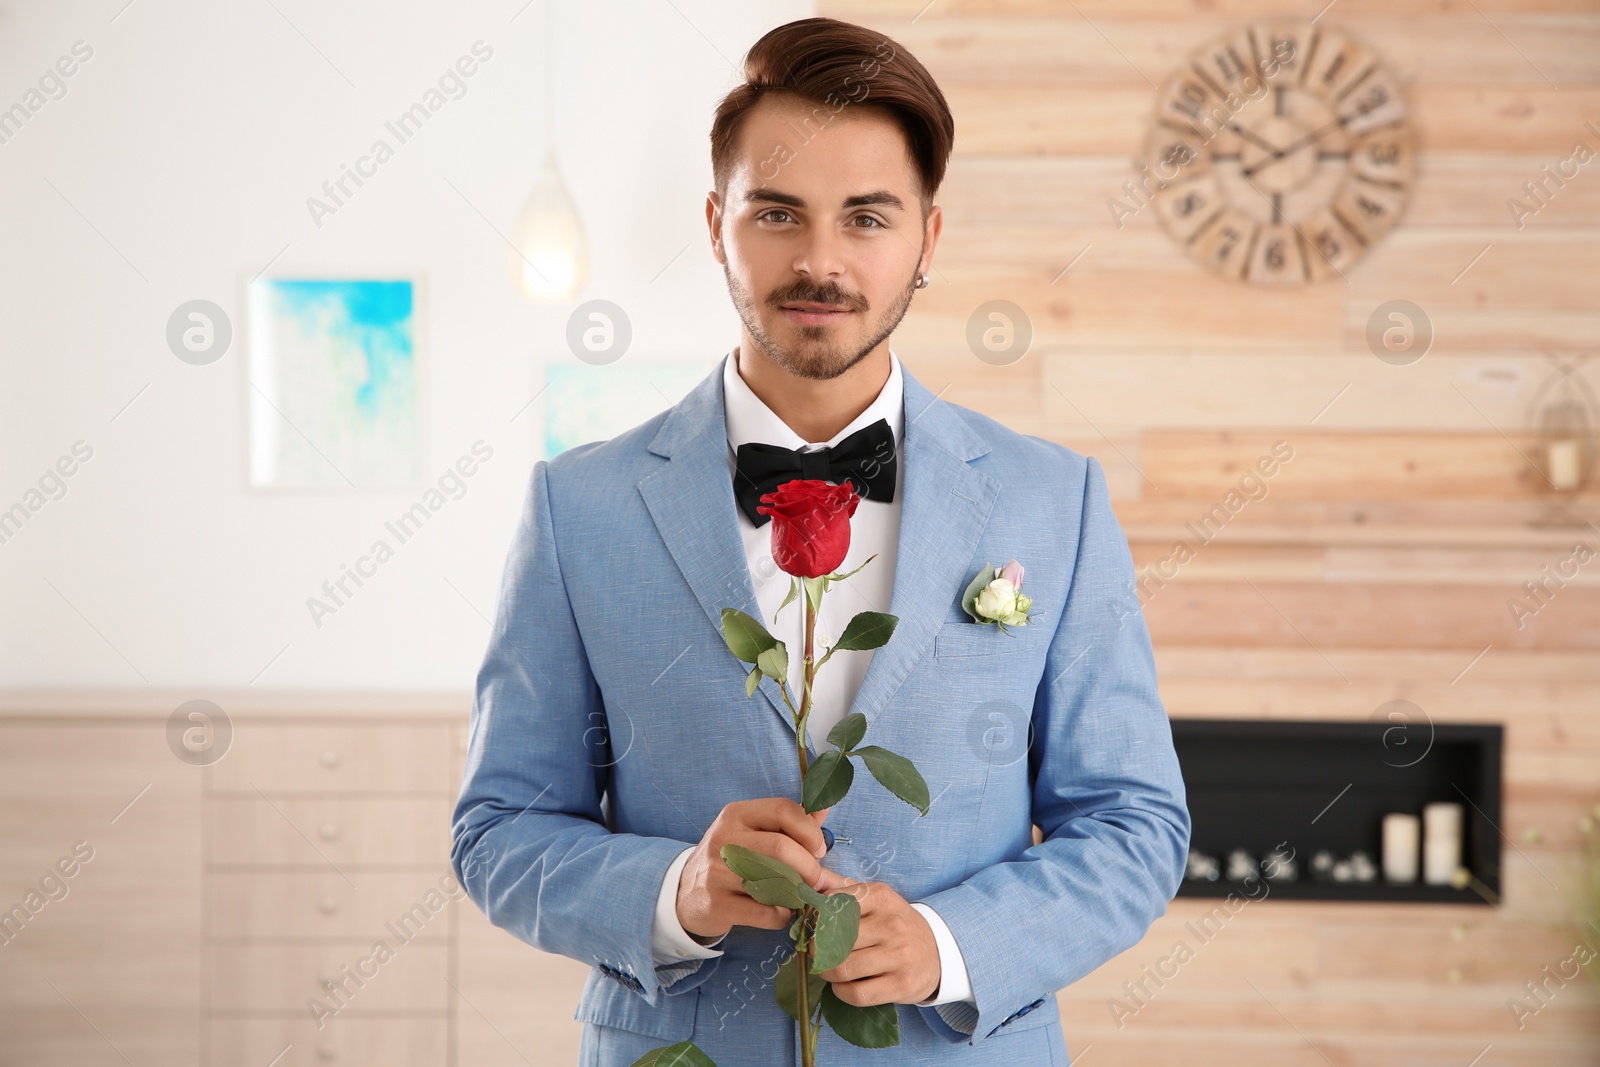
pixel 691 501
pixel 945 511
pixel 946 507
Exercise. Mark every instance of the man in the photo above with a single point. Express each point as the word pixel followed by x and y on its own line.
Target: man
pixel 613 750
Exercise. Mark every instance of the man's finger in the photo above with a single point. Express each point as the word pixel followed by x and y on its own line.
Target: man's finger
pixel 784 816
pixel 865 992
pixel 747 912
pixel 832 880
pixel 863 963
pixel 783 848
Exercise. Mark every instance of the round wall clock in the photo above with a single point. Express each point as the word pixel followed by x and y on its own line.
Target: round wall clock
pixel 1280 154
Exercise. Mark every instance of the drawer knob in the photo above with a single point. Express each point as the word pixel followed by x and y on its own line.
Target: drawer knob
pixel 330 831
pixel 330 758
pixel 328 905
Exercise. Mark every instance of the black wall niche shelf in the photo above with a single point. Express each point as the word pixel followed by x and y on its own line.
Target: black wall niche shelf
pixel 1253 783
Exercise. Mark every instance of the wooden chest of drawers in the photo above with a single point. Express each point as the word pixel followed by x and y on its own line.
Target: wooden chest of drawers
pixel 231 913
pixel 330 907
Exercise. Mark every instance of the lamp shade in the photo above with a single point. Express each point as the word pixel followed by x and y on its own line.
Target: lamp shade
pixel 549 257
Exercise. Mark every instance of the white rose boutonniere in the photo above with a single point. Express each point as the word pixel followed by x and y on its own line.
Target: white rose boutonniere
pixel 995 596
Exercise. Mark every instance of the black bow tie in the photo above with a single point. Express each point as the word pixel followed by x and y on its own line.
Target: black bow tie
pixel 866 458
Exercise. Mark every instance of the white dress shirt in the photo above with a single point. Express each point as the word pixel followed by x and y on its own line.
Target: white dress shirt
pixel 874 528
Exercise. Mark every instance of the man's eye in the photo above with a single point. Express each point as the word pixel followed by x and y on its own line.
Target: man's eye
pixel 769 214
pixel 877 223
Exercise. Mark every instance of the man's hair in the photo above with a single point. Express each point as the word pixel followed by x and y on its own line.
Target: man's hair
pixel 835 65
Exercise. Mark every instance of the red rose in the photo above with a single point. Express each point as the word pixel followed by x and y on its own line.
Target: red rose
pixel 810 525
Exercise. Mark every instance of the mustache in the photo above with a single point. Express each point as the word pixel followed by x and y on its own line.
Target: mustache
pixel 825 295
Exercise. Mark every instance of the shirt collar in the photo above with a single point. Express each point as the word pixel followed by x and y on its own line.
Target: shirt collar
pixel 749 419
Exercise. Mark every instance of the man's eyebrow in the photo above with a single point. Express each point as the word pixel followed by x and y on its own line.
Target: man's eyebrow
pixel 772 196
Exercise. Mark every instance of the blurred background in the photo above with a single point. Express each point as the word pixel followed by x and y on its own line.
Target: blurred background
pixel 283 283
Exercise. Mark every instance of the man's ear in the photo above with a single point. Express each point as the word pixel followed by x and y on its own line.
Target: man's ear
pixel 714 225
pixel 931 229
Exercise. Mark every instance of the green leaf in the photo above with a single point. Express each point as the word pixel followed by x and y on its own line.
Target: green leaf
pixel 779 892
pixel 785 987
pixel 746 637
pixel 848 731
pixel 811 896
pixel 898 775
pixel 838 924
pixel 752 680
pixel 827 781
pixel 774 663
pixel 814 590
pixel 795 927
pixel 683 1054
pixel 869 629
pixel 794 591
pixel 837 577
pixel 877 1026
pixel 969 599
pixel 753 866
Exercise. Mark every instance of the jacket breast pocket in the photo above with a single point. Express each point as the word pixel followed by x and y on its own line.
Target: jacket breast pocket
pixel 968 640
pixel 607 1002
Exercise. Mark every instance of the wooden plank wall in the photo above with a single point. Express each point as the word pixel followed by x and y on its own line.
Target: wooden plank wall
pixel 1380 563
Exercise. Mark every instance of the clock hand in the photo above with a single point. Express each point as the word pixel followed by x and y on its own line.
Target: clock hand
pixel 1251 135
pixel 1293 147
pixel 1315 135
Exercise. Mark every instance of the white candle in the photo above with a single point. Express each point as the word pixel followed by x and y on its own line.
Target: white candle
pixel 1441 820
pixel 1441 842
pixel 1401 839
pixel 1562 459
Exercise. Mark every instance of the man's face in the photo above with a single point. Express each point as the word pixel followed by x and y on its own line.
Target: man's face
pixel 821 233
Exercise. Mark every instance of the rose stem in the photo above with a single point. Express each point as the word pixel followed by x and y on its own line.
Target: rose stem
pixel 802 956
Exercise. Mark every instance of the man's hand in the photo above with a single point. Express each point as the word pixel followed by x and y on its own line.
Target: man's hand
pixel 711 898
pixel 895 959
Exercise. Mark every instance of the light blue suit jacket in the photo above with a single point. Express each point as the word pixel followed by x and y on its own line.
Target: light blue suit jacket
pixel 610 726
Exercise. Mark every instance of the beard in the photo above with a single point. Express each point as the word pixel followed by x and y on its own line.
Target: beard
pixel 819 353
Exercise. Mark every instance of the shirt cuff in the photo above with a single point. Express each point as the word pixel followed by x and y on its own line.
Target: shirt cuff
pixel 669 941
pixel 955 984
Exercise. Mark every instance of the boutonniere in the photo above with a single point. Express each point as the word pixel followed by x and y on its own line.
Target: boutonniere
pixel 995 595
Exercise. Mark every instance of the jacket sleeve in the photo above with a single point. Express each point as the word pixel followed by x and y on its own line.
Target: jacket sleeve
pixel 530 841
pixel 1107 794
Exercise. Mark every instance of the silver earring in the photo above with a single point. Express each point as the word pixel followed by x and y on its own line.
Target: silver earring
pixel 922 281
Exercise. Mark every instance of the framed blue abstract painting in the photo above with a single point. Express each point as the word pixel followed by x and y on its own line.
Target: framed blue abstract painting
pixel 585 403
pixel 333 384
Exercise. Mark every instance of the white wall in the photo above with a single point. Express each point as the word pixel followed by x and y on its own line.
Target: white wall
pixel 190 141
